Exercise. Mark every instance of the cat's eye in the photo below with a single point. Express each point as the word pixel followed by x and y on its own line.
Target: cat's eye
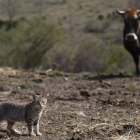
pixel 42 101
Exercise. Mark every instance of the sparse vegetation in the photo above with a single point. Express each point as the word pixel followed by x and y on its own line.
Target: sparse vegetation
pixel 82 106
pixel 131 87
pixel 57 72
pixel 100 17
pixel 27 86
pixel 43 43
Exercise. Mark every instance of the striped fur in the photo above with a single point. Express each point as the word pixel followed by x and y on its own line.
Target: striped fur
pixel 30 113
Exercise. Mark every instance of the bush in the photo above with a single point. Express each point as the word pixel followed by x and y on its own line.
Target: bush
pixel 39 43
pixel 60 58
pixel 9 24
pixel 116 59
pixel 34 40
pixel 100 17
pixel 96 26
pixel 86 58
pixel 29 42
pixel 102 58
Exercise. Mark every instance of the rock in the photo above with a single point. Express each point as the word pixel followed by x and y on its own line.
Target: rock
pixel 37 80
pixel 81 113
pixel 66 79
pixel 85 94
pixel 4 88
pixel 112 92
pixel 102 90
pixel 108 83
pixel 49 70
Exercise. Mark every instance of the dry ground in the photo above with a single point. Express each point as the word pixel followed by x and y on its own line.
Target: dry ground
pixel 80 107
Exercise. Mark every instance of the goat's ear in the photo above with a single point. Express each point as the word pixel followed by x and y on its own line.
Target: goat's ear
pixel 120 12
pixel 139 15
pixel 46 95
pixel 34 96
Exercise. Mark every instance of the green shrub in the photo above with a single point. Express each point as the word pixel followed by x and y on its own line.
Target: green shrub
pixel 131 87
pixel 9 24
pixel 96 26
pixel 87 58
pixel 39 43
pixel 102 58
pixel 116 59
pixel 32 39
pixel 60 57
pixel 100 17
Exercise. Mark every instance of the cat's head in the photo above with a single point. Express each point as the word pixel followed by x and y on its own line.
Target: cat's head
pixel 40 102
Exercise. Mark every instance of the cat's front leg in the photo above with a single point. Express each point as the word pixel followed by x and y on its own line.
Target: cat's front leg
pixel 31 132
pixel 37 130
pixel 36 124
pixel 30 128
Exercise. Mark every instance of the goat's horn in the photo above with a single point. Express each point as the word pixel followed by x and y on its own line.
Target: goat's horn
pixel 120 12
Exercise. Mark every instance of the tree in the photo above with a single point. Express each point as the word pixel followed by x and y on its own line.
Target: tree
pixel 10 7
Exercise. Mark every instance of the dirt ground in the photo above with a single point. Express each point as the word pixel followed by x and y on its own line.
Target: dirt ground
pixel 80 106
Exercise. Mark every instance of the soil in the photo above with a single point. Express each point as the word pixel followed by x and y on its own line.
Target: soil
pixel 80 106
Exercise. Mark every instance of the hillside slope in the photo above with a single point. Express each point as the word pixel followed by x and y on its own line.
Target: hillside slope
pixel 79 106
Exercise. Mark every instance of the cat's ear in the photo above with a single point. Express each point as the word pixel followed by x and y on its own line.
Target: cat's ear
pixel 34 96
pixel 46 95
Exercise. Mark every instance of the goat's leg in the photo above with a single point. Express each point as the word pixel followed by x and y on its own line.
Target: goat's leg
pixel 136 60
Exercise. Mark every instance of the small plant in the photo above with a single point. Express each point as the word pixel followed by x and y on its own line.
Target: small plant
pixel 21 85
pixel 131 87
pixel 72 110
pixel 80 6
pixel 110 87
pixel 130 74
pixel 25 85
pixel 8 83
pixel 64 17
pixel 100 17
pixel 57 72
pixel 90 10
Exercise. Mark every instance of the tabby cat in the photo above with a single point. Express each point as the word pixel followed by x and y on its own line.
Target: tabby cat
pixel 30 113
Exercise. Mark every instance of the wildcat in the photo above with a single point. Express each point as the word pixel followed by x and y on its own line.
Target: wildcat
pixel 30 113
